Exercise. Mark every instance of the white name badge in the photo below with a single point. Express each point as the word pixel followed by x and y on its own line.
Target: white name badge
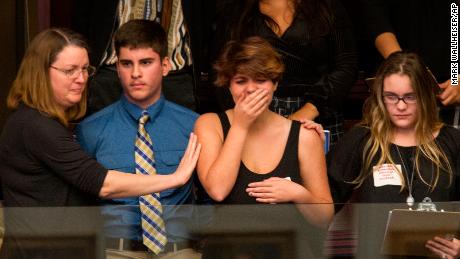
pixel 386 174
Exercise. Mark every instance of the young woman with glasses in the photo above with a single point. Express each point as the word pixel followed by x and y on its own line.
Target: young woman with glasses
pixel 401 152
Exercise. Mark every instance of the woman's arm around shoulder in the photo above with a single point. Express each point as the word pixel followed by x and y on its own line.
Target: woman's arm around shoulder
pixel 118 184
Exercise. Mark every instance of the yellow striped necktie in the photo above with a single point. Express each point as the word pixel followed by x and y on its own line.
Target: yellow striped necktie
pixel 153 226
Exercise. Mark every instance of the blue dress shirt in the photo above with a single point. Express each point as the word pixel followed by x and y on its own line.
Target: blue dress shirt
pixel 109 135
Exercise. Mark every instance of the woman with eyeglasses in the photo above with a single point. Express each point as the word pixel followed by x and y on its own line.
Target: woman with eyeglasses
pixel 401 152
pixel 41 164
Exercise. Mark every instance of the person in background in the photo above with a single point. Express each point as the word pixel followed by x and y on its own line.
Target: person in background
pixel 98 21
pixel 109 135
pixel 231 167
pixel 42 164
pixel 316 42
pixel 401 135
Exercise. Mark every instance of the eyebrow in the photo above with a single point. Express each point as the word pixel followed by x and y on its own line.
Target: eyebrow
pixel 140 60
pixel 146 59
pixel 72 66
pixel 393 93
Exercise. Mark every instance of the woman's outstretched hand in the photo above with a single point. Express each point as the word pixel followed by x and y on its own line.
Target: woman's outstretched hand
pixel 188 162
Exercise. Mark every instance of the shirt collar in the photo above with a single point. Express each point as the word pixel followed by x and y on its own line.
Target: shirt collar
pixel 135 111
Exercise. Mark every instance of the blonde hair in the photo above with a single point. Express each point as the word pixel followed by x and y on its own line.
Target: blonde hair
pixel 32 85
pixel 253 57
pixel 376 117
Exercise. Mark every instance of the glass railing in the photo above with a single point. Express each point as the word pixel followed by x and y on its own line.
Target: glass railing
pixel 231 231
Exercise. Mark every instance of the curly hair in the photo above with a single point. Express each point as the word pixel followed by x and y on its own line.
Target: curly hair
pixel 253 57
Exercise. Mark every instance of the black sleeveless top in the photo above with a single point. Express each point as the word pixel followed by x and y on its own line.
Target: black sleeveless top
pixel 288 166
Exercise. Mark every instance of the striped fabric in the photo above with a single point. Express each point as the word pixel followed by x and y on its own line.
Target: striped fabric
pixel 167 12
pixel 178 46
pixel 286 106
pixel 153 226
pixel 342 237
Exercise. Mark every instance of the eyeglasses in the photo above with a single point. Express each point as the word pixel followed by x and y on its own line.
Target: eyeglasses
pixel 75 72
pixel 394 99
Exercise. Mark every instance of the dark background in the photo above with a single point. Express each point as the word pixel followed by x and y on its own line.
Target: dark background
pixel 21 20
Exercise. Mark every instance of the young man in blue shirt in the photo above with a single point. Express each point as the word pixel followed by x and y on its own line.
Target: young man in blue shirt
pixel 110 136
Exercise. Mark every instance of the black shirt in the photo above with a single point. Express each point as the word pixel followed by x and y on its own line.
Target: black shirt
pixel 420 26
pixel 321 67
pixel 288 166
pixel 345 163
pixel 41 164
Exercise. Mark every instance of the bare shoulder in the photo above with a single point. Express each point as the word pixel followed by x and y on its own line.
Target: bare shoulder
pixel 207 125
pixel 309 137
pixel 311 147
pixel 207 120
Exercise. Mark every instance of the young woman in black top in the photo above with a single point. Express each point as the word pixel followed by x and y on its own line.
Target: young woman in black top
pixel 315 41
pixel 251 154
pixel 401 152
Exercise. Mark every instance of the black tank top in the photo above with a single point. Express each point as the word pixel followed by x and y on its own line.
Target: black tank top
pixel 288 166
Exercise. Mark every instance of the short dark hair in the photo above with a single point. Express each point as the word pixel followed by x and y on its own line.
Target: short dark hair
pixel 140 33
pixel 253 56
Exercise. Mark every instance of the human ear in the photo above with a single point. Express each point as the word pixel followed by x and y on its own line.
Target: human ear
pixel 165 66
